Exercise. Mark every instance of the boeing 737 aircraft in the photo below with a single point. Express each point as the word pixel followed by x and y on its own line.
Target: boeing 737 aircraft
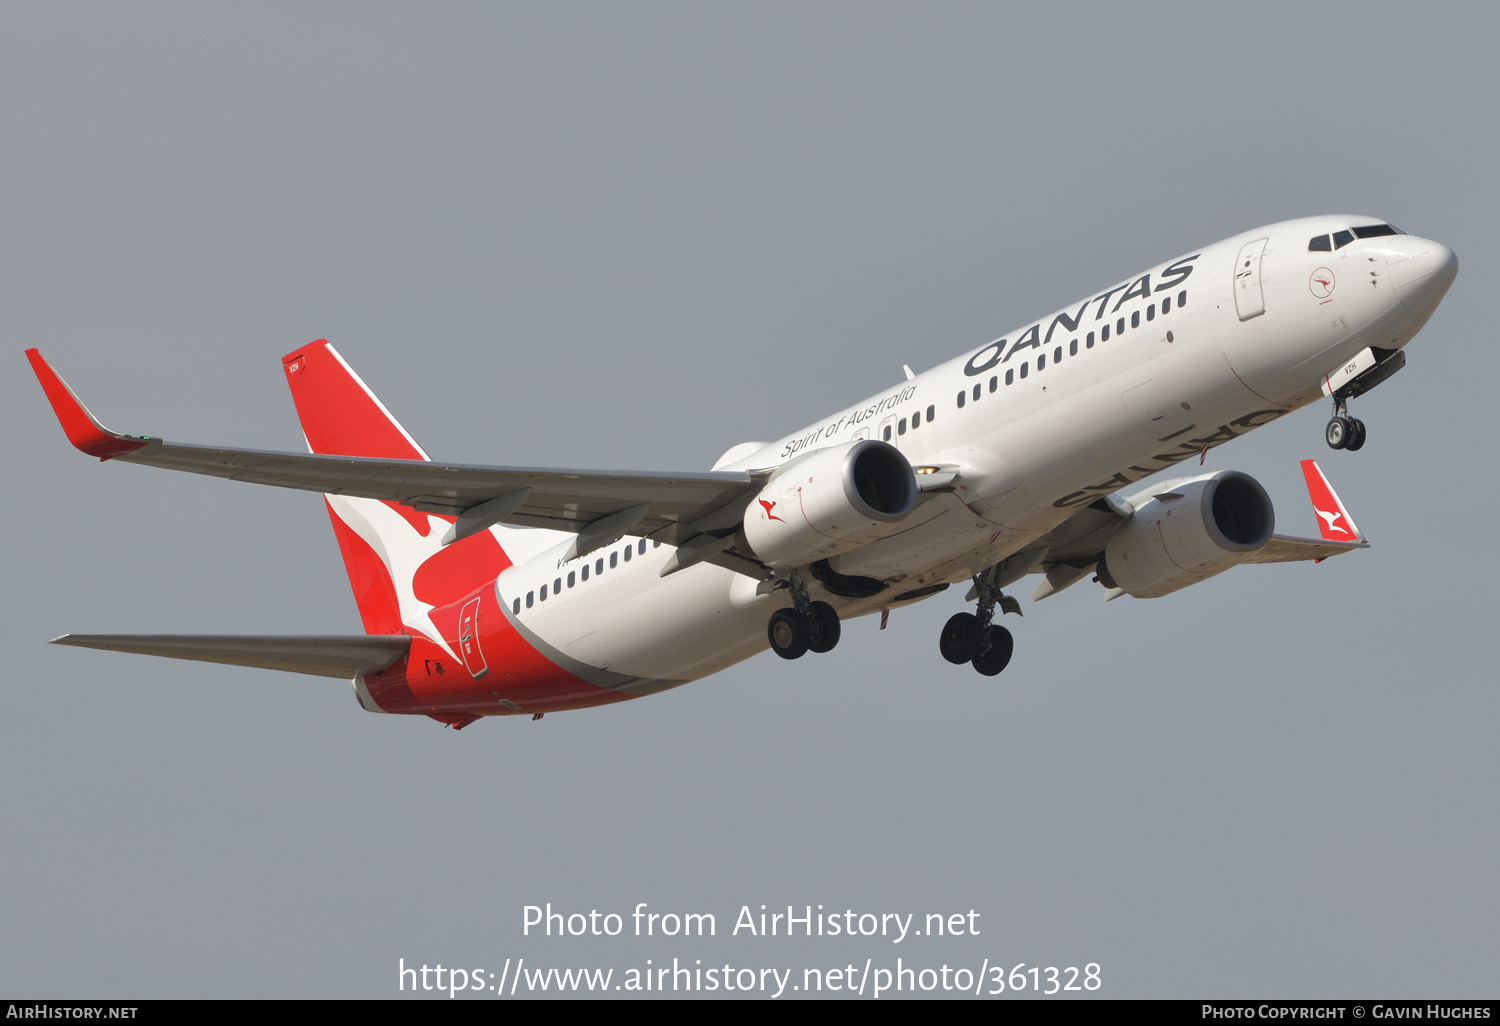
pixel 491 591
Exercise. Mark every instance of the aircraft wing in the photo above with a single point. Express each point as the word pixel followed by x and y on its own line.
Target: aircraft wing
pixel 628 502
pixel 1283 549
pixel 1340 533
pixel 1075 546
pixel 322 655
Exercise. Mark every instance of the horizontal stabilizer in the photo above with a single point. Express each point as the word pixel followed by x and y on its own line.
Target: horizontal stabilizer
pixel 326 655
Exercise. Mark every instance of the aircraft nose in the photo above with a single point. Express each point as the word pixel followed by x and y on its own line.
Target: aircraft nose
pixel 1421 270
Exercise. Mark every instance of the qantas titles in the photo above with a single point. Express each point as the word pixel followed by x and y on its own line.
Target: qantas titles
pixel 1032 338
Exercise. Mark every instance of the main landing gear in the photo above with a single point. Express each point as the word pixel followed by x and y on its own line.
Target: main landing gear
pixel 807 627
pixel 971 638
pixel 1344 431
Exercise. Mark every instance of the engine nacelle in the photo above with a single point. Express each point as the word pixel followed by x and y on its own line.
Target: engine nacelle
pixel 830 501
pixel 1187 532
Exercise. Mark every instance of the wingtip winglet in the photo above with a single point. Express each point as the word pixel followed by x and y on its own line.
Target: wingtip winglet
pixel 1334 521
pixel 82 429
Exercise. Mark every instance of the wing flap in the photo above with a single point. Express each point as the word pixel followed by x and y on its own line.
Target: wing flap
pixel 323 655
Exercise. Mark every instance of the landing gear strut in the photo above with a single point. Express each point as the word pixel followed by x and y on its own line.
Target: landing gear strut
pixel 971 638
pixel 807 627
pixel 1344 431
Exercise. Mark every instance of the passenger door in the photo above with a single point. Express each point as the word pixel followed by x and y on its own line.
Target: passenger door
pixel 1249 299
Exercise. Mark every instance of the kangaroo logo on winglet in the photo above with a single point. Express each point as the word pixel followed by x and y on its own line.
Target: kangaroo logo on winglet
pixel 1330 518
pixel 1326 504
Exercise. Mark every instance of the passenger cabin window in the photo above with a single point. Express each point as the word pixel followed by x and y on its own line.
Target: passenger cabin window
pixel 961 397
pixel 885 436
pixel 1135 319
pixel 1151 312
pixel 1319 244
pixel 557 586
pixel 542 594
pixel 585 571
pixel 976 391
pixel 901 426
pixel 1010 376
pixel 930 411
pixel 640 547
pixel 1374 231
pixel 1182 299
pixel 916 420
pixel 1104 333
pixel 1073 348
pixel 1341 239
pixel 627 553
pixel 1041 362
pixel 1023 368
pixel 1089 342
pixel 1057 354
pixel 515 607
pixel 994 384
pixel 1120 326
pixel 572 578
pixel 599 565
pixel 614 560
pixel 1166 306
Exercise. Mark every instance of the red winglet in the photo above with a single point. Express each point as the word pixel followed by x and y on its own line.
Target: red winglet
pixel 1334 520
pixel 86 433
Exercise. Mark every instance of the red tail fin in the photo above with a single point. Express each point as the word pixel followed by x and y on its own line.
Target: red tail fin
pixel 397 566
pixel 340 415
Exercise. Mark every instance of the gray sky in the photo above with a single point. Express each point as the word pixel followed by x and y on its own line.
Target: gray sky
pixel 631 236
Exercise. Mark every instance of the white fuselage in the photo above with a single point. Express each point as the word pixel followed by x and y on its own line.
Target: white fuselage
pixel 1052 417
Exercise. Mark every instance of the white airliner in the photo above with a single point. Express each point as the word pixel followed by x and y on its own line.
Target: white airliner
pixel 499 590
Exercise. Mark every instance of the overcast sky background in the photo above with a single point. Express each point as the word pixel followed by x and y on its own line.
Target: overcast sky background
pixel 631 236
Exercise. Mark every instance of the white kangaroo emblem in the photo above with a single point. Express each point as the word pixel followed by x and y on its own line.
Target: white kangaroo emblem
pixel 1331 517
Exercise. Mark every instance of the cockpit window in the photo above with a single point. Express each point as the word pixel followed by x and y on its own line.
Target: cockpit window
pixel 1372 231
pixel 1342 239
pixel 1319 244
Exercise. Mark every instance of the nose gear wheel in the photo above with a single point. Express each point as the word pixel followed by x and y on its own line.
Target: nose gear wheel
pixel 1344 431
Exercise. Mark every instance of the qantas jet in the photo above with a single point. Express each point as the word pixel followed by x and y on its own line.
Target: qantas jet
pixel 490 591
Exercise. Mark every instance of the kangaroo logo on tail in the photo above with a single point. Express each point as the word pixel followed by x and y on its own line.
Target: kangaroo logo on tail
pixel 398 567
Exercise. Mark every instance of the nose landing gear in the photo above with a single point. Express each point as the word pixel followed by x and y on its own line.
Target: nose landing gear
pixel 807 627
pixel 971 638
pixel 1344 431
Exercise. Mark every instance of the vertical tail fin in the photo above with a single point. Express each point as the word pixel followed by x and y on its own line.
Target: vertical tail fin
pixel 340 415
pixel 397 565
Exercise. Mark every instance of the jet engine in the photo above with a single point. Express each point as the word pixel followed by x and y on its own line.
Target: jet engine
pixel 1187 531
pixel 829 501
